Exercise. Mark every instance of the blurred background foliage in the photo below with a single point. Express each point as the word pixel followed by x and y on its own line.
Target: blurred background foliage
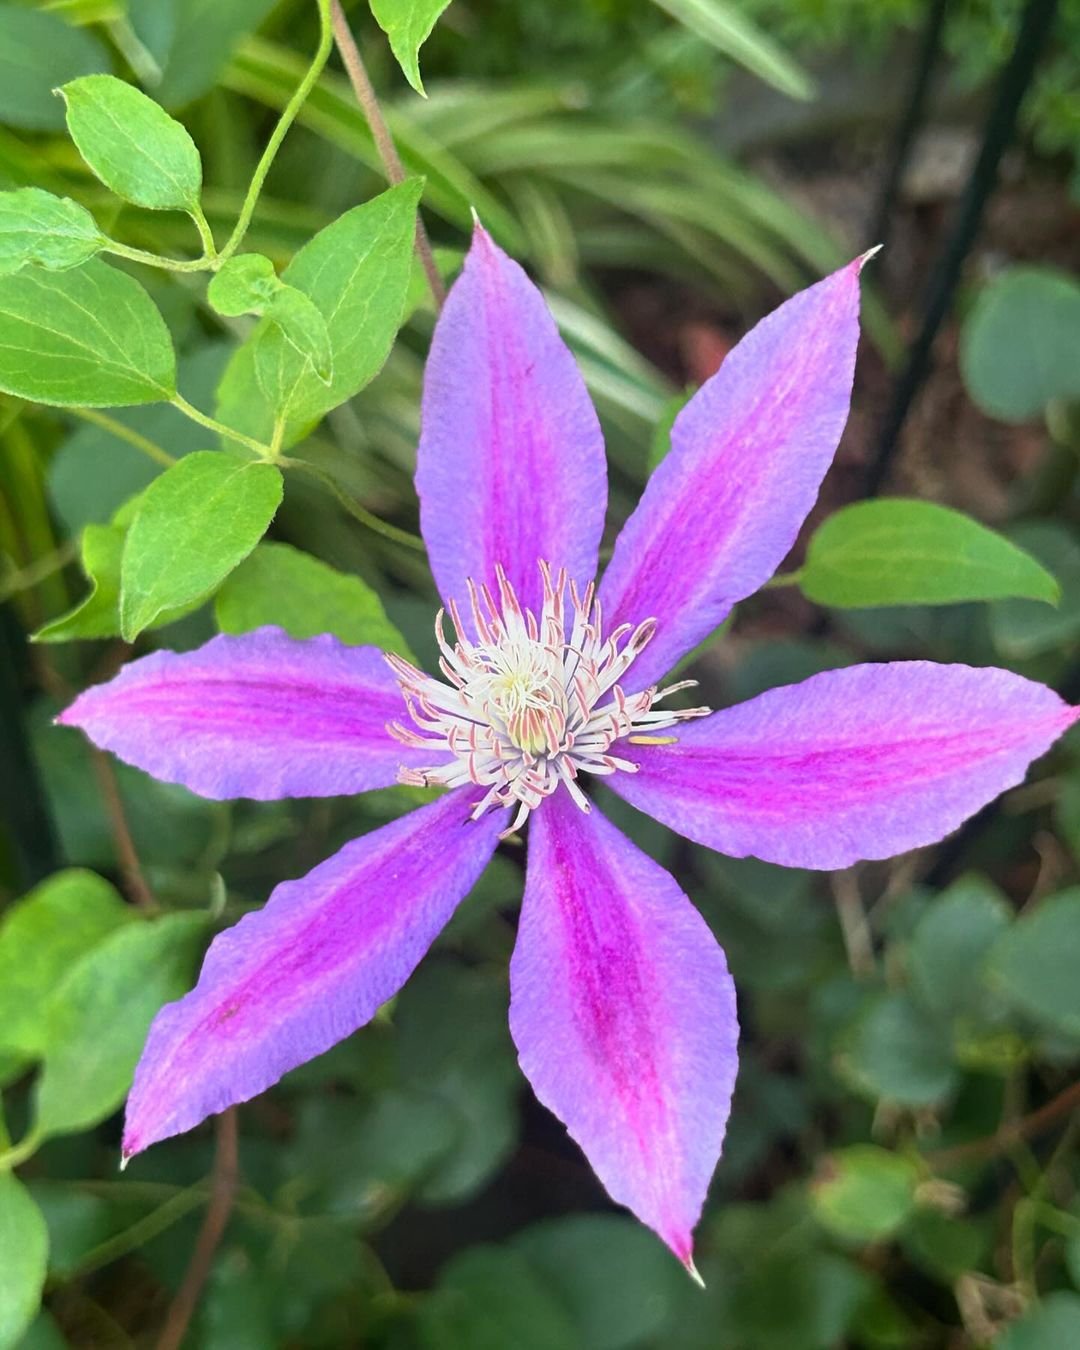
pixel 901 1168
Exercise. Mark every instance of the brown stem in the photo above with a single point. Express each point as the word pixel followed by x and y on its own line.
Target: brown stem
pixel 1064 1103
pixel 127 857
pixel 384 141
pixel 222 1195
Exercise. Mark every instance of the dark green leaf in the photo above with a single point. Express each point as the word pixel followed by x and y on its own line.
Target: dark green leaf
pixel 620 1285
pixel 132 144
pixel 23 1254
pixel 1018 347
pixel 408 24
pixel 864 1193
pixel 898 552
pixel 40 937
pixel 47 231
pixel 90 337
pixel 945 1245
pixel 1034 964
pixel 100 1013
pixel 38 52
pixel 489 1298
pixel 1022 628
pixel 194 524
pixel 278 584
pixel 951 941
pixel 896 1052
pixel 1051 1324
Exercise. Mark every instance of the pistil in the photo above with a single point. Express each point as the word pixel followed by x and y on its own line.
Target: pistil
pixel 530 702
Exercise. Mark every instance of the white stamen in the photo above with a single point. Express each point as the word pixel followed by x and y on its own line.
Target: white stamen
pixel 523 713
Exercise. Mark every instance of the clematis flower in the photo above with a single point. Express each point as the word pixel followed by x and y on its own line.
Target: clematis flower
pixel 622 1007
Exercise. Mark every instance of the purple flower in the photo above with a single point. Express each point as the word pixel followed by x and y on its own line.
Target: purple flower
pixel 622 1007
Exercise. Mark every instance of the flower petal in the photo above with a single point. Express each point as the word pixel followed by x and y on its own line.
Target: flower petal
pixel 624 1016
pixel 511 466
pixel 262 715
pixel 864 762
pixel 748 454
pixel 291 980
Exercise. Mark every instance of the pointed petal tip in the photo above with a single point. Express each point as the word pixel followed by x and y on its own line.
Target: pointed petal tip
pixel 688 1265
pixel 863 258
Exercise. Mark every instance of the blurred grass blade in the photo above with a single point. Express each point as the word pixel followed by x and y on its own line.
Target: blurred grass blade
pixel 723 27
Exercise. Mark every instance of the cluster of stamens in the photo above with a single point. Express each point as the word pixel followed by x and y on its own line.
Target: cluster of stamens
pixel 531 703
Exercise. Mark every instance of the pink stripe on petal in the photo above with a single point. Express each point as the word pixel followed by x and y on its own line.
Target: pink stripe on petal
pixel 511 466
pixel 865 762
pixel 624 1016
pixel 748 454
pixel 317 962
pixel 262 715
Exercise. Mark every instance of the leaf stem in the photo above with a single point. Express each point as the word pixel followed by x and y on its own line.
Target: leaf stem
pixel 124 433
pixel 285 121
pixel 206 234
pixel 384 140
pixel 219 428
pixel 140 255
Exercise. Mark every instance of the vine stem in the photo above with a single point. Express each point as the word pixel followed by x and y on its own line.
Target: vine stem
pixel 381 134
pixel 285 121
pixel 979 1149
pixel 223 1184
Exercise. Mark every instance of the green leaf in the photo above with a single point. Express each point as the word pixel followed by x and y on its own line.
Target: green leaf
pixel 38 52
pixel 1034 964
pixel 408 24
pixel 1051 1324
pixel 278 584
pixel 897 1053
pixel 951 941
pixel 99 1016
pixel 244 285
pixel 248 284
pixel 356 271
pixel 1021 628
pixel 489 1298
pixel 726 28
pixel 898 552
pixel 97 615
pixel 41 935
pixel 1018 347
pixel 194 525
pixel 617 1281
pixel 23 1254
pixel 88 337
pixel 50 232
pixel 132 144
pixel 864 1193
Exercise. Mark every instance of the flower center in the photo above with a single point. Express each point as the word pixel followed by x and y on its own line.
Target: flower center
pixel 530 702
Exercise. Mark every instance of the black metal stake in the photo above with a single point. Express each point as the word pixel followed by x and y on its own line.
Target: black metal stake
pixel 1035 26
pixel 914 111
